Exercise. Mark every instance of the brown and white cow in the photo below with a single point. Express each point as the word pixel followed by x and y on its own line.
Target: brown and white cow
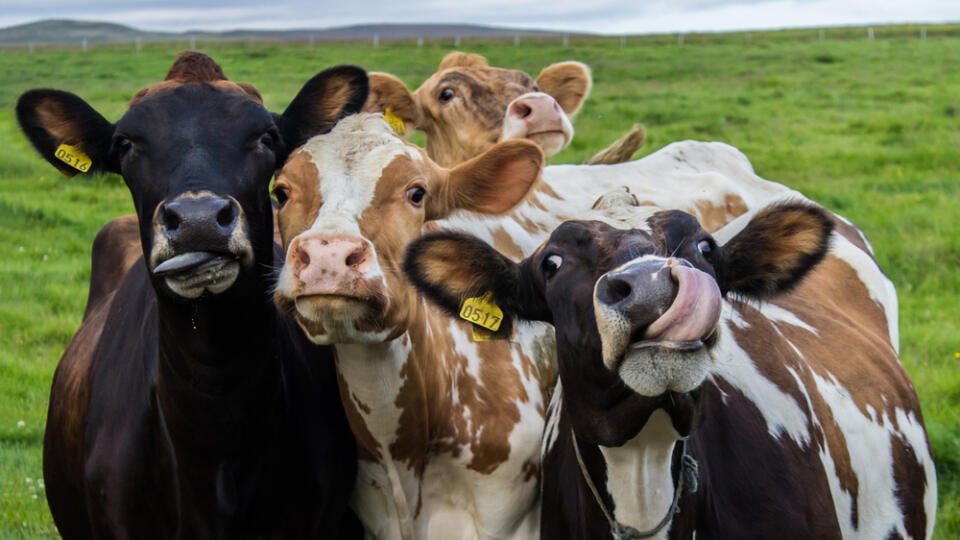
pixel 467 106
pixel 708 390
pixel 184 407
pixel 448 429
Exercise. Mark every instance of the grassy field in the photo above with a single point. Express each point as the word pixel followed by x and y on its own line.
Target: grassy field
pixel 869 128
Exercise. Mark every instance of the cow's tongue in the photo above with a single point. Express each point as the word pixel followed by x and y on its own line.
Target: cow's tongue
pixel 694 312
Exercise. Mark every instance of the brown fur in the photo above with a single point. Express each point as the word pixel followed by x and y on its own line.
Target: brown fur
pixel 301 177
pixel 568 82
pixel 387 91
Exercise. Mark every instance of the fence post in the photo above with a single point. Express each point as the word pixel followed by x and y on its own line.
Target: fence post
pixel 566 40
pixel 376 41
pixel 623 42
pixel 420 42
pixel 923 32
pixel 456 42
pixel 516 40
pixel 83 45
pixel 870 33
pixel 193 42
pixel 679 39
pixel 138 44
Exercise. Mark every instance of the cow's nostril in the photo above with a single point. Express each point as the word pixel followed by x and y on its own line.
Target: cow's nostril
pixel 302 257
pixel 355 259
pixel 521 110
pixel 169 219
pixel 227 215
pixel 613 290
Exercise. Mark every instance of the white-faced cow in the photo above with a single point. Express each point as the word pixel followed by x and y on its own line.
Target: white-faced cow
pixel 467 106
pixel 448 429
pixel 742 385
pixel 184 407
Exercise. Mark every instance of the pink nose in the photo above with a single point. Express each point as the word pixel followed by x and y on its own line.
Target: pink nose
pixel 324 264
pixel 535 109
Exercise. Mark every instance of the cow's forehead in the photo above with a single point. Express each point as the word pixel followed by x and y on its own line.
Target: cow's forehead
pixel 224 86
pixel 350 161
pixel 220 106
pixel 478 77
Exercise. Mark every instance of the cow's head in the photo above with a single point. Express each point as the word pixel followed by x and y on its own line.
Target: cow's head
pixel 636 310
pixel 467 105
pixel 351 202
pixel 197 152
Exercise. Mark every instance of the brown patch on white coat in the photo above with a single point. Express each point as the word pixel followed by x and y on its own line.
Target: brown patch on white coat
pixel 450 427
pixel 797 409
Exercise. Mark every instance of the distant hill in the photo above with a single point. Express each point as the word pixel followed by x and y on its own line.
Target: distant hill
pixel 56 31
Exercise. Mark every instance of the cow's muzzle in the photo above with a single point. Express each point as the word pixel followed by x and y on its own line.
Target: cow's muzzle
pixel 200 244
pixel 655 303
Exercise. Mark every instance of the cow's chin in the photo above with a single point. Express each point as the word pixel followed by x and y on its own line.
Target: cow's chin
pixel 551 142
pixel 654 368
pixel 333 319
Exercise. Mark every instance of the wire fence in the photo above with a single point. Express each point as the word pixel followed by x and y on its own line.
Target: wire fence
pixel 376 40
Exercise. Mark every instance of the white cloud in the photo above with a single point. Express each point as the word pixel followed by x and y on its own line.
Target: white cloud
pixel 602 16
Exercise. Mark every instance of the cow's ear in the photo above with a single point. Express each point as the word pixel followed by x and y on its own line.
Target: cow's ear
pixel 67 131
pixel 450 268
pixel 491 183
pixel 568 82
pixel 388 95
pixel 776 249
pixel 321 103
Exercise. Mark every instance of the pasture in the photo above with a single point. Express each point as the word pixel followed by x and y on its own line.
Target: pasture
pixel 869 128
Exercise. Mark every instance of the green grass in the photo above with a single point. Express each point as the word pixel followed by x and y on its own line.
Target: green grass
pixel 871 129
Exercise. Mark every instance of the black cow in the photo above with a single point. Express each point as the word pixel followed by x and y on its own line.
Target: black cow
pixel 184 407
pixel 683 413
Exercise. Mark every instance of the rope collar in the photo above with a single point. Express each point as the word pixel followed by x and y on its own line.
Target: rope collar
pixel 688 473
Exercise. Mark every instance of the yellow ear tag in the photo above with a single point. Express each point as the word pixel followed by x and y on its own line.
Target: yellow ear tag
pixel 481 311
pixel 73 157
pixel 395 122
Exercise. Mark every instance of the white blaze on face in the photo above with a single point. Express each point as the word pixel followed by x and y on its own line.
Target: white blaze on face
pixel 349 162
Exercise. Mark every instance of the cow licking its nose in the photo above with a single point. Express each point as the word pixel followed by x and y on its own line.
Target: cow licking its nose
pixel 640 292
pixel 666 304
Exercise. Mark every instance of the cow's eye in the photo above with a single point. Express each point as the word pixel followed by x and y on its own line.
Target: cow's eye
pixel 550 265
pixel 123 145
pixel 268 139
pixel 705 247
pixel 281 194
pixel 446 94
pixel 415 195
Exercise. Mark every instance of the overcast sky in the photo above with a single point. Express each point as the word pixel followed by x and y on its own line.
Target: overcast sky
pixel 600 16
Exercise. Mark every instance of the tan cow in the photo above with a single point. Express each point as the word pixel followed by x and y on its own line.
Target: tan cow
pixel 468 105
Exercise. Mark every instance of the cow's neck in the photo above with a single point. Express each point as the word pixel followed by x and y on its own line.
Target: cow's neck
pixel 218 392
pixel 639 477
pixel 395 386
